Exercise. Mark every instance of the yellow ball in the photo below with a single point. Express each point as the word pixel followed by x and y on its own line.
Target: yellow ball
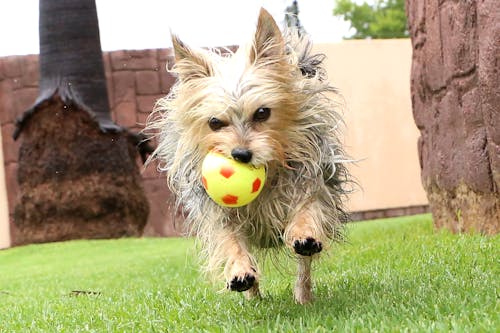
pixel 230 183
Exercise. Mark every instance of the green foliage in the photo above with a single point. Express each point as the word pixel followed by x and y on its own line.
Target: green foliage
pixel 394 275
pixel 383 19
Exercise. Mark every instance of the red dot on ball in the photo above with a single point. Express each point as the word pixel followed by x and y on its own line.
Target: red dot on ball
pixel 204 181
pixel 227 171
pixel 229 199
pixel 256 185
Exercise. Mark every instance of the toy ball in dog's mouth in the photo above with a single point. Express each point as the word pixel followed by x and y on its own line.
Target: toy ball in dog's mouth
pixel 231 183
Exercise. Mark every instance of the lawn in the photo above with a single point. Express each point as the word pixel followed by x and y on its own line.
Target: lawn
pixel 392 275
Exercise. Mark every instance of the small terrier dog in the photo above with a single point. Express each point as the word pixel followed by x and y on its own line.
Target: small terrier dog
pixel 265 104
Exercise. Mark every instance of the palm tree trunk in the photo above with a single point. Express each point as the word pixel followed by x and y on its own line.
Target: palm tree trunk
pixel 455 95
pixel 70 55
pixel 78 173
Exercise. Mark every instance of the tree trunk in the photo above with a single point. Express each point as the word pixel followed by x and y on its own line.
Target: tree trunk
pixel 456 106
pixel 78 173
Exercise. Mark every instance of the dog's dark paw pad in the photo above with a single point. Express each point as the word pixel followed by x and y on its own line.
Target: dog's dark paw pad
pixel 239 283
pixel 307 247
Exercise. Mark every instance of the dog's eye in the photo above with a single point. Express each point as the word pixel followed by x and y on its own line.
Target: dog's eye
pixel 262 114
pixel 216 124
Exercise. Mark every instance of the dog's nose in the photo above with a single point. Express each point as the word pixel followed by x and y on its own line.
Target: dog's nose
pixel 241 154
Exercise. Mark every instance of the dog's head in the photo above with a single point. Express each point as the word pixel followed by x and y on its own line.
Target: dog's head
pixel 241 104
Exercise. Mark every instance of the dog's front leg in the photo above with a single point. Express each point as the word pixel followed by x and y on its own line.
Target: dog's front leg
pixel 305 235
pixel 240 268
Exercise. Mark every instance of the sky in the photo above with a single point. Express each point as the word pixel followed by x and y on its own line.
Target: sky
pixel 144 24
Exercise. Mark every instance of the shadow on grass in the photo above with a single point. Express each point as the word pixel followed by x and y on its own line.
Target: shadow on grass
pixel 358 297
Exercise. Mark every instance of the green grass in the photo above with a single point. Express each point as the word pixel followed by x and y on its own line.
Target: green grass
pixel 393 275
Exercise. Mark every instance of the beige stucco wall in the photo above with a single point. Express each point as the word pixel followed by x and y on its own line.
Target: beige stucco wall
pixel 4 214
pixel 373 77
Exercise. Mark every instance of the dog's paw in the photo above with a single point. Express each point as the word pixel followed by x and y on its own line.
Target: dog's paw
pixel 241 283
pixel 307 247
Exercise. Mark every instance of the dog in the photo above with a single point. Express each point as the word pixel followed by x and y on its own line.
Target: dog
pixel 266 104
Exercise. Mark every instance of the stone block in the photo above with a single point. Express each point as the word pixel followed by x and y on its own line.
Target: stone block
pixel 134 60
pixel 165 54
pixel 146 103
pixel 356 216
pixel 7 112
pixel 394 212
pixel 119 60
pixel 142 119
pixel 167 80
pixel 10 146
pixel 414 210
pixel 106 60
pixel 373 214
pixel 16 83
pixel 23 99
pixel 169 63
pixel 147 82
pixel 30 71
pixel 136 129
pixel 110 90
pixel 125 114
pixel 12 67
pixel 2 74
pixel 123 87
pixel 12 186
pixel 161 210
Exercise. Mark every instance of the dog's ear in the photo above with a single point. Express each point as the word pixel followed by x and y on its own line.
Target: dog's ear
pixel 190 64
pixel 268 41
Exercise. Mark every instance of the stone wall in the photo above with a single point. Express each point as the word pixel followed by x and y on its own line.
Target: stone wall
pixel 135 80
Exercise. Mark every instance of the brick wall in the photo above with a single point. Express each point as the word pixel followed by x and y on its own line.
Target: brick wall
pixel 135 80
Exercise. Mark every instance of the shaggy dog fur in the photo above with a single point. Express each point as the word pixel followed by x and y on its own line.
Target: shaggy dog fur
pixel 271 101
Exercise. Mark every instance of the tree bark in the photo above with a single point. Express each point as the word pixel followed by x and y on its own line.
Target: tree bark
pixel 78 173
pixel 456 106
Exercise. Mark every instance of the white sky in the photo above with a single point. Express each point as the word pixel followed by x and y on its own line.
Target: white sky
pixel 143 24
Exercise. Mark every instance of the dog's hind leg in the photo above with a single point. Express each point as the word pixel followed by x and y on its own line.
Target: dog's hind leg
pixel 303 286
pixel 254 291
pixel 305 236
